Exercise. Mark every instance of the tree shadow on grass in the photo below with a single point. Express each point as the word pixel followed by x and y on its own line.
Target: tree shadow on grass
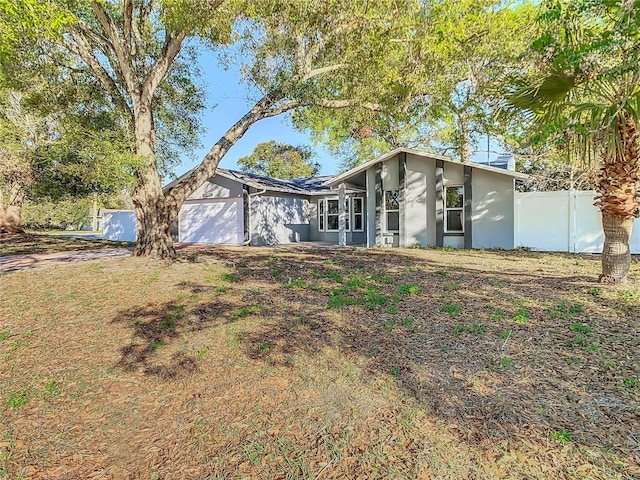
pixel 31 244
pixel 491 375
pixel 155 328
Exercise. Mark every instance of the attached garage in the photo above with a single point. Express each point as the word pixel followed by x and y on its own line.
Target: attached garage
pixel 239 208
pixel 219 221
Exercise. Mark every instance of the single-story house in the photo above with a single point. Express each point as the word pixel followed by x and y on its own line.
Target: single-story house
pixel 239 208
pixel 403 198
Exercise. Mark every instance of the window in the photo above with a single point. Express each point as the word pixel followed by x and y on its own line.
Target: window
pixel 358 214
pixel 392 210
pixel 453 211
pixel 329 214
pixel 333 214
pixel 347 216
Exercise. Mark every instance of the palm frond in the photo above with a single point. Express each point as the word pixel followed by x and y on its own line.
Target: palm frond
pixel 553 90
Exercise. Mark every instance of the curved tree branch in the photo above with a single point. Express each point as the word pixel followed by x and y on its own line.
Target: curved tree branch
pixel 80 46
pixel 122 54
pixel 189 183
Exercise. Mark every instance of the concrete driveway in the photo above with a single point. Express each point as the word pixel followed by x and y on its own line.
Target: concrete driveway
pixel 13 263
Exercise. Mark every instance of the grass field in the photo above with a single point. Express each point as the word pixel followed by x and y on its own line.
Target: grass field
pixel 318 364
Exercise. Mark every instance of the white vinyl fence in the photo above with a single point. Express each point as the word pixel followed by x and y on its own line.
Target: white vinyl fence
pixel 119 225
pixel 564 221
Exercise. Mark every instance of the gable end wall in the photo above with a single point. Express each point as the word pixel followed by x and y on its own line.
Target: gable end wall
pixel 217 187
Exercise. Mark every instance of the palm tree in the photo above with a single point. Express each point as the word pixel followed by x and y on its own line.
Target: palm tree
pixel 586 91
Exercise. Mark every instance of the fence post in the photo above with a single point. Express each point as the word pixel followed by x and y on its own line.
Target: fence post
pixel 572 221
pixel 516 218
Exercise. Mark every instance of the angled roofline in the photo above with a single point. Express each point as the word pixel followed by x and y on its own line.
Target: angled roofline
pixel 246 179
pixel 421 153
pixel 251 182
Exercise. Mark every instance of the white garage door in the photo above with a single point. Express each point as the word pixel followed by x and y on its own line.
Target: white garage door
pixel 212 222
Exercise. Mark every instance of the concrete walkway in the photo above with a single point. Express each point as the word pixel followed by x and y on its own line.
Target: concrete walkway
pixel 13 263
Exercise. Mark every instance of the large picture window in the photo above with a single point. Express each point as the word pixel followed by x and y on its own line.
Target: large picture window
pixel 392 210
pixel 454 208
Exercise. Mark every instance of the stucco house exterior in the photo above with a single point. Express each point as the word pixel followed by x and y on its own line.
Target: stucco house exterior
pixel 238 208
pixel 403 198
pixel 416 198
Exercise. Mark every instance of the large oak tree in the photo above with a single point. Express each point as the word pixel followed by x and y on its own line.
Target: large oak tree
pixel 280 160
pixel 293 54
pixel 58 139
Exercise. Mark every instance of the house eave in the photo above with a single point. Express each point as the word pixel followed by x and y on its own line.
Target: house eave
pixel 361 168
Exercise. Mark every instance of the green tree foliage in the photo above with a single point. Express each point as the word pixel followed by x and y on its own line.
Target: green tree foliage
pixel 66 213
pixel 293 54
pixel 477 42
pixel 547 175
pixel 279 160
pixel 450 71
pixel 57 140
pixel 584 96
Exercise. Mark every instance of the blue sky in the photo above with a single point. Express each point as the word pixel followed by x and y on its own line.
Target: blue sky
pixel 229 101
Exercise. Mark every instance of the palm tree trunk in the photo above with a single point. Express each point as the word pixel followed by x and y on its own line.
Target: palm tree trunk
pixel 618 189
pixel 616 256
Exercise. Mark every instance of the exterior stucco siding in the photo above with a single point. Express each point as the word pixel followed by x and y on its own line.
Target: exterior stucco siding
pixel 453 241
pixel 492 210
pixel 390 174
pixel 453 174
pixel 279 219
pixel 217 187
pixel 420 201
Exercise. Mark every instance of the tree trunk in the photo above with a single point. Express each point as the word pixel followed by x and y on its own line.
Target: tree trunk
pixel 465 139
pixel 11 218
pixel 2 214
pixel 618 202
pixel 153 217
pixel 153 224
pixel 155 211
pixel 616 256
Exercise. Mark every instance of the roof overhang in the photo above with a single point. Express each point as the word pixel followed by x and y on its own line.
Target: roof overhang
pixel 343 177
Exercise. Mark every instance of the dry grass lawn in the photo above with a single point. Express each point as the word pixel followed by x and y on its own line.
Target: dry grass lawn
pixel 29 244
pixel 320 364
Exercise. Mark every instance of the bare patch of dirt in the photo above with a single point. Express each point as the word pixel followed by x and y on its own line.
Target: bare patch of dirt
pixel 320 363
